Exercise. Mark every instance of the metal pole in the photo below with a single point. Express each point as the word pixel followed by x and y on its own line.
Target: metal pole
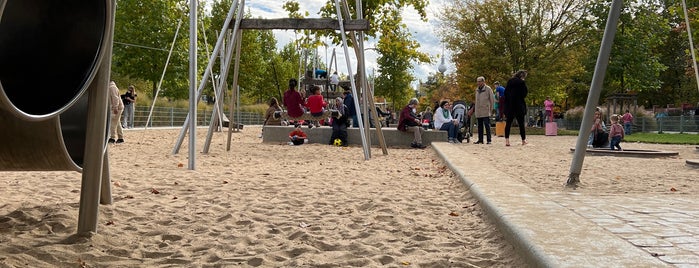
pixel 351 76
pixel 162 76
pixel 193 82
pixel 595 91
pixel 185 126
pixel 94 182
pixel 691 43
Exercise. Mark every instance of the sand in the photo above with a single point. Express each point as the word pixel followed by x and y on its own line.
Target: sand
pixel 262 205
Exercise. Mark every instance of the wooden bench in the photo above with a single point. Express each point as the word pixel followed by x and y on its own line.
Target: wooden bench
pixel 392 136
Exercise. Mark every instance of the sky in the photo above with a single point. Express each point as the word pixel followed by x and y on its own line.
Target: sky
pixel 423 32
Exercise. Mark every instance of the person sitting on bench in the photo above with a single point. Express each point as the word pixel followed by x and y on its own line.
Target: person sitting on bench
pixel 293 100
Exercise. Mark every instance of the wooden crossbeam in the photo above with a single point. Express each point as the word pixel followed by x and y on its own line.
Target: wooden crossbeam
pixel 298 24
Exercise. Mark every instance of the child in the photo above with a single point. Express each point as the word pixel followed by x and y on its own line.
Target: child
pixel 616 132
pixel 316 104
pixel 297 137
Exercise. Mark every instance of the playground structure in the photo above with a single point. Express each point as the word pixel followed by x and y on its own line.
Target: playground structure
pixel 53 93
pixel 234 43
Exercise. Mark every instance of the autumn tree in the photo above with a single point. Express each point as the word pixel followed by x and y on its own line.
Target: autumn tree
pixel 494 38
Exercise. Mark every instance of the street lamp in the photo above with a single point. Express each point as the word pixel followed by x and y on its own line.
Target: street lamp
pixel 442 66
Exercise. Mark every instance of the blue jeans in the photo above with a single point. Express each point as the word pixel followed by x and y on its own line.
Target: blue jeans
pixel 452 130
pixel 627 128
pixel 615 142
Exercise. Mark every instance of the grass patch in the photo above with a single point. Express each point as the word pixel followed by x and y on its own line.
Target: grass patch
pixel 664 138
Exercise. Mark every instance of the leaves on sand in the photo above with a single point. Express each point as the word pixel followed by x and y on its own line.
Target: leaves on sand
pixel 180 165
pixel 453 214
pixel 154 191
pixel 673 189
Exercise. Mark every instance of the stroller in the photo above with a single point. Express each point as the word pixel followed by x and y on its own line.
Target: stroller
pixel 460 112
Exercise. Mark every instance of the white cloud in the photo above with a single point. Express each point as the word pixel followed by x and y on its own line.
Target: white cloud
pixel 424 32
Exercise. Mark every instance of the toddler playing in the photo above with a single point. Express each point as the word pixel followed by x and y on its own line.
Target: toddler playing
pixel 616 133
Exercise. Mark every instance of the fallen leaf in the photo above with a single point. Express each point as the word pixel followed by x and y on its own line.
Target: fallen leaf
pixel 453 214
pixel 225 182
pixel 180 165
pixel 673 189
pixel 177 183
pixel 117 184
pixel 618 177
pixel 110 223
pixel 303 225
pixel 174 197
pixel 129 197
pixel 154 191
pixel 405 263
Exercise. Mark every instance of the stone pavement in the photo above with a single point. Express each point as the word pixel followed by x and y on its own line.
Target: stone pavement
pixel 569 229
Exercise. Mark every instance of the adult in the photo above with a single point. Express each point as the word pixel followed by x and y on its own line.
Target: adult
pixel 409 122
pixel 340 124
pixel 293 100
pixel 129 100
pixel 598 132
pixel 352 110
pixel 548 108
pixel 627 120
pixel 334 81
pixel 269 114
pixel 444 121
pixel 116 133
pixel 500 92
pixel 515 106
pixel 696 116
pixel 483 108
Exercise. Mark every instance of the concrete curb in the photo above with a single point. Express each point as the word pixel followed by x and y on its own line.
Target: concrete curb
pixel 533 255
pixel 544 232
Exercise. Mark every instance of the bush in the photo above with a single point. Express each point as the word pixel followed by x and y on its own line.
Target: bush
pixel 641 115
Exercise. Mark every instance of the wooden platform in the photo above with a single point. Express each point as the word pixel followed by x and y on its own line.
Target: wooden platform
pixel 393 137
pixel 630 152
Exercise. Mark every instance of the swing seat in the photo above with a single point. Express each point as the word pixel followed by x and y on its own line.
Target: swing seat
pixel 308 116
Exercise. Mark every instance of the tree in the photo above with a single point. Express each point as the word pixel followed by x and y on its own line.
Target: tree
pixel 494 38
pixel 634 63
pixel 396 52
pixel 143 33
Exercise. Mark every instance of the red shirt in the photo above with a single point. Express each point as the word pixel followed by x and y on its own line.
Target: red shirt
pixel 315 103
pixel 298 133
pixel 293 103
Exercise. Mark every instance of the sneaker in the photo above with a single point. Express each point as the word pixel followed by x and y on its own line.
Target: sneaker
pixel 120 141
pixel 488 143
pixel 450 140
pixel 413 145
pixel 111 140
pixel 420 146
pixel 478 142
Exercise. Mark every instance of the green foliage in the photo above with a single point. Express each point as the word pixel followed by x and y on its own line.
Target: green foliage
pixel 663 138
pixel 495 38
pixel 634 63
pixel 143 35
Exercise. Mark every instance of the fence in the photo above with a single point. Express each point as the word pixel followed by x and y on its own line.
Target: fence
pixel 175 117
pixel 675 124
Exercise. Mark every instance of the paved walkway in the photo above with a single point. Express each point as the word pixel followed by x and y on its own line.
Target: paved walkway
pixel 568 229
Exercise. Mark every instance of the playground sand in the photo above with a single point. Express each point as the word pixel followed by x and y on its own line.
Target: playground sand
pixel 275 205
